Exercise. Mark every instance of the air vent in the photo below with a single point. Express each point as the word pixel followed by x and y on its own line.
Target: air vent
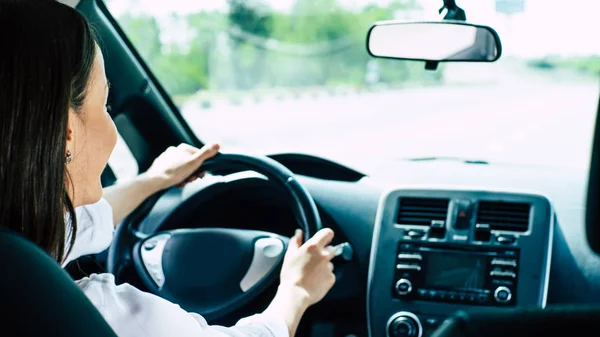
pixel 422 211
pixel 504 216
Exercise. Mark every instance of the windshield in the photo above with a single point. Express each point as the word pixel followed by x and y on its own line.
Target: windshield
pixel 273 76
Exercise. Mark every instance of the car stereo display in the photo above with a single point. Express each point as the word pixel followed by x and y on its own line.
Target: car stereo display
pixel 455 271
pixel 448 274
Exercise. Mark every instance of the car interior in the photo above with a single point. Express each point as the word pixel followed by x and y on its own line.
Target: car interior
pixel 445 248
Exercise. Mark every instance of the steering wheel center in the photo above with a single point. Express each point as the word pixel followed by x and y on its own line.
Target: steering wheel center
pixel 206 258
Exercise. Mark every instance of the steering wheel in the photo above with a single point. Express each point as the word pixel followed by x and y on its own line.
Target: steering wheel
pixel 214 271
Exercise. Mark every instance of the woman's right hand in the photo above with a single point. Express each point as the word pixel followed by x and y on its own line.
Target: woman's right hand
pixel 307 269
pixel 306 276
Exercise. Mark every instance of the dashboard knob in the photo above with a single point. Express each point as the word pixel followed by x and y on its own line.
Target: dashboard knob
pixel 404 324
pixel 502 295
pixel 403 286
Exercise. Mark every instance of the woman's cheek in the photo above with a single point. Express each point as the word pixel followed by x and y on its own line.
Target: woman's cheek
pixel 113 134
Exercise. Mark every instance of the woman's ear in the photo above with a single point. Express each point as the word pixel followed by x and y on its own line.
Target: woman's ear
pixel 70 127
pixel 70 143
pixel 69 133
pixel 69 140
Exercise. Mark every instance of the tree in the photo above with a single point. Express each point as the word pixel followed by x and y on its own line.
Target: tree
pixel 180 71
pixel 144 33
pixel 251 16
pixel 254 18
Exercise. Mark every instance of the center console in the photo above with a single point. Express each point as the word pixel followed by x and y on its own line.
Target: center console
pixel 436 252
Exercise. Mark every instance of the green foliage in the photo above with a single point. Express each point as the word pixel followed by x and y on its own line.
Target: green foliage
pixel 250 16
pixel 144 32
pixel 181 72
pixel 589 64
pixel 317 43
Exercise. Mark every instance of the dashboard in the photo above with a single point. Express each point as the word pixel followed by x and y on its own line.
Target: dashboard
pixel 453 255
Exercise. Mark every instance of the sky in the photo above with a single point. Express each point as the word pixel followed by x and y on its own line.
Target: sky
pixel 545 27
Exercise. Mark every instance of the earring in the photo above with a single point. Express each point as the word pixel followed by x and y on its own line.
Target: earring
pixel 69 157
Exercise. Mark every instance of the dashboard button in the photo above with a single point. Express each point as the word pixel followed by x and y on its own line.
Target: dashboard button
pixel 410 256
pixel 150 244
pixel 403 266
pixel 464 214
pixel 506 239
pixel 471 298
pixel 403 287
pixel 482 298
pixel 415 233
pixel 502 295
pixel 504 263
pixel 482 232
pixel 503 273
pixel 404 324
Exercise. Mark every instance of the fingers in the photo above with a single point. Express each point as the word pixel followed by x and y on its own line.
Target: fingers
pixel 188 148
pixel 198 156
pixel 321 239
pixel 295 241
pixel 207 151
pixel 192 178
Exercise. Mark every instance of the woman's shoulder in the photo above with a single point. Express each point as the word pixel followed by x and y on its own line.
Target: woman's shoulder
pixel 94 229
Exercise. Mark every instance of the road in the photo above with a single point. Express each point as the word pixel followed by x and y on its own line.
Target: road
pixel 539 122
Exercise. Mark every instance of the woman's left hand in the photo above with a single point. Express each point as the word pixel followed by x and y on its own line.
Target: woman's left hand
pixel 176 166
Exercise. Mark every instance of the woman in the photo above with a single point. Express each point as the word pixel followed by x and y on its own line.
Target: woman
pixel 57 137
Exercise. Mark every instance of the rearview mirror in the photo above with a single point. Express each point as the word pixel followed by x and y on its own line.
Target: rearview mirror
pixel 444 41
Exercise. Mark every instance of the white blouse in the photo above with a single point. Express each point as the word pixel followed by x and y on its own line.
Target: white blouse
pixel 131 312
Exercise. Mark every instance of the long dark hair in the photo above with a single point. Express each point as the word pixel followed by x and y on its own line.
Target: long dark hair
pixel 48 50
